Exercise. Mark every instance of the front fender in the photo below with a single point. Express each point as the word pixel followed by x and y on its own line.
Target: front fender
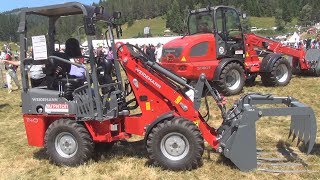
pixel 161 118
pixel 222 64
pixel 268 62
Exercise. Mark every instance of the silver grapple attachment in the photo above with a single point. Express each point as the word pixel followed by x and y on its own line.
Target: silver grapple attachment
pixel 237 134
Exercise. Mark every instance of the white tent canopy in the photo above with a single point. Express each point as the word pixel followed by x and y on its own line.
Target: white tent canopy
pixel 135 41
pixel 294 38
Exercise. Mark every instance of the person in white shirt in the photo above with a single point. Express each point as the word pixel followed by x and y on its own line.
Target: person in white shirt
pixel 10 72
pixel 158 52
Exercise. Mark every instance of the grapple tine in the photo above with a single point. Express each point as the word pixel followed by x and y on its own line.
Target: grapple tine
pixel 299 140
pixel 307 130
pixel 298 126
pixel 290 132
pixel 294 137
pixel 313 132
pixel 293 127
pixel 301 128
pixel 304 127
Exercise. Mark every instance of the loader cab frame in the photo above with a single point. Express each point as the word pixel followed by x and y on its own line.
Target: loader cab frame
pixel 86 101
pixel 224 23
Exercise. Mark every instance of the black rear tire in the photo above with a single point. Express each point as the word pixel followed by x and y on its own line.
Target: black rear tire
pixel 68 143
pixel 175 144
pixel 280 74
pixel 231 79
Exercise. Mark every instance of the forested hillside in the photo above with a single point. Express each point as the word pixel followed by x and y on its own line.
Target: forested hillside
pixel 307 11
pixel 174 12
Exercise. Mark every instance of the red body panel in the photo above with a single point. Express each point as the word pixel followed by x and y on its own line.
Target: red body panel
pixel 192 70
pixel 192 66
pixel 103 132
pixel 36 126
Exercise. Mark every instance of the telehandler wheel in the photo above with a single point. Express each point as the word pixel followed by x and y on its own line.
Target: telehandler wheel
pixel 68 143
pixel 231 79
pixel 280 74
pixel 175 144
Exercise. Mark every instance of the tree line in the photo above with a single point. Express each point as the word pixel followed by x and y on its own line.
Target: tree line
pixel 174 11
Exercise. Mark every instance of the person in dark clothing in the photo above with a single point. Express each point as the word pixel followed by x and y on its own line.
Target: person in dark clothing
pixel 73 49
pixel 151 53
pixel 61 69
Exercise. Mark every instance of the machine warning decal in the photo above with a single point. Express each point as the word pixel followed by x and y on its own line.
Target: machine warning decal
pixel 221 50
pixel 148 106
pixel 178 99
pixel 238 52
pixel 196 122
pixel 56 108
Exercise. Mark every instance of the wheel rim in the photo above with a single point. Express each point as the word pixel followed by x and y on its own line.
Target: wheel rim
pixel 233 79
pixel 282 73
pixel 174 146
pixel 66 145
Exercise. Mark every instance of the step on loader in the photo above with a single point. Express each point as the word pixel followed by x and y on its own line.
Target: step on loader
pixel 68 118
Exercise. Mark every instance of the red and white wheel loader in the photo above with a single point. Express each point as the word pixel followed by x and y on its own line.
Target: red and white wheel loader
pixel 68 116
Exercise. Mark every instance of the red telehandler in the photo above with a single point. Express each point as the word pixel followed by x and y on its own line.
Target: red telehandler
pixel 68 117
pixel 216 46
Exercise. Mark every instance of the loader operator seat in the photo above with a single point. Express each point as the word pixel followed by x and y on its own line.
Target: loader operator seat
pixel 61 70
pixel 104 70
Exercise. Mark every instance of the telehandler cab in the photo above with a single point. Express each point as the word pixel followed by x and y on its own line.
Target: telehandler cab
pixel 100 110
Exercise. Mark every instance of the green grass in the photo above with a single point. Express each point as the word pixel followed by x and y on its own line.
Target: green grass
pixel 13 46
pixel 128 160
pixel 157 27
pixel 262 22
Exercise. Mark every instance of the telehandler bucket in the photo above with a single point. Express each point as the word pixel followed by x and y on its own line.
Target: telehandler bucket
pixel 237 135
pixel 313 58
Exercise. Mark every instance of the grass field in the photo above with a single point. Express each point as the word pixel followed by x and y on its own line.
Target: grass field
pixel 157 27
pixel 128 160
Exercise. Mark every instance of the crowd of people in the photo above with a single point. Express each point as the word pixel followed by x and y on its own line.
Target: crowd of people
pixel 153 52
pixel 38 76
pixel 40 73
pixel 307 43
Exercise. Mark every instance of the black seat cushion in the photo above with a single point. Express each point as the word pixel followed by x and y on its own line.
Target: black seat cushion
pixel 73 80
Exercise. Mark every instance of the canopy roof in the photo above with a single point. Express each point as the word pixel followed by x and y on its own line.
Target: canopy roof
pixel 69 8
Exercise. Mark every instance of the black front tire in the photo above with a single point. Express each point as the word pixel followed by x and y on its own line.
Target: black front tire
pixel 231 80
pixel 68 143
pixel 175 144
pixel 280 74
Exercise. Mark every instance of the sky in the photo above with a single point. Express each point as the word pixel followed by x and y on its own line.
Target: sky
pixel 7 5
